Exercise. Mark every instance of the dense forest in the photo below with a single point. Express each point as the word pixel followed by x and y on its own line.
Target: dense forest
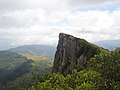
pixel 101 72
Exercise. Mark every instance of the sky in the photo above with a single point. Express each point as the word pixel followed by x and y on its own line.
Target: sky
pixel 25 22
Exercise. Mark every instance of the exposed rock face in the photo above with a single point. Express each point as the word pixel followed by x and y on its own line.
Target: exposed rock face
pixel 72 51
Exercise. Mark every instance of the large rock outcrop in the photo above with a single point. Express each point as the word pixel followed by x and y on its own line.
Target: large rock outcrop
pixel 72 51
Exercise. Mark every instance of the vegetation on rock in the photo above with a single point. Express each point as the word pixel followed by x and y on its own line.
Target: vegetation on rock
pixel 101 72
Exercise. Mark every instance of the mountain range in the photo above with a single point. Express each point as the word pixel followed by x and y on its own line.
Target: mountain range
pixel 38 50
pixel 108 44
pixel 17 64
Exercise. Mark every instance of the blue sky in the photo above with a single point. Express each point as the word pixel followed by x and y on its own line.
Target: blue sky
pixel 110 7
pixel 40 21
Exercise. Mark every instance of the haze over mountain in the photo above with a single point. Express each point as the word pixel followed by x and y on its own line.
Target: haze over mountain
pixel 39 50
pixel 108 44
pixel 46 50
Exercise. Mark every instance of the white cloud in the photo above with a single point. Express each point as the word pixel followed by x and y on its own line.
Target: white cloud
pixel 42 25
pixel 12 5
pixel 52 5
pixel 40 21
pixel 89 3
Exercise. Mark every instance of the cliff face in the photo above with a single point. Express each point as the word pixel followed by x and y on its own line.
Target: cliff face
pixel 72 51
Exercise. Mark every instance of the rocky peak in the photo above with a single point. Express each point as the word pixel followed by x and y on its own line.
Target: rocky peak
pixel 72 51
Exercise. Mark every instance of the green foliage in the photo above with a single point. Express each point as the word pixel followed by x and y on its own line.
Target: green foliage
pixel 88 49
pixel 109 67
pixel 87 79
pixel 86 86
pixel 107 64
pixel 101 72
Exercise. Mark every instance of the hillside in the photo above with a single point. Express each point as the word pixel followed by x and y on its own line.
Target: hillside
pixel 37 50
pixel 16 69
pixel 12 66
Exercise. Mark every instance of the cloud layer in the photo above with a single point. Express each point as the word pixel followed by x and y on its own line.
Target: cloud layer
pixel 37 26
pixel 9 5
pixel 90 2
pixel 42 25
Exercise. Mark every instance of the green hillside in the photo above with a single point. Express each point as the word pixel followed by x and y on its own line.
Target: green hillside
pixel 40 64
pixel 16 70
pixel 11 64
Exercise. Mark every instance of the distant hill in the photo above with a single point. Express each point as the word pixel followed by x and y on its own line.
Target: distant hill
pixel 39 50
pixel 108 44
